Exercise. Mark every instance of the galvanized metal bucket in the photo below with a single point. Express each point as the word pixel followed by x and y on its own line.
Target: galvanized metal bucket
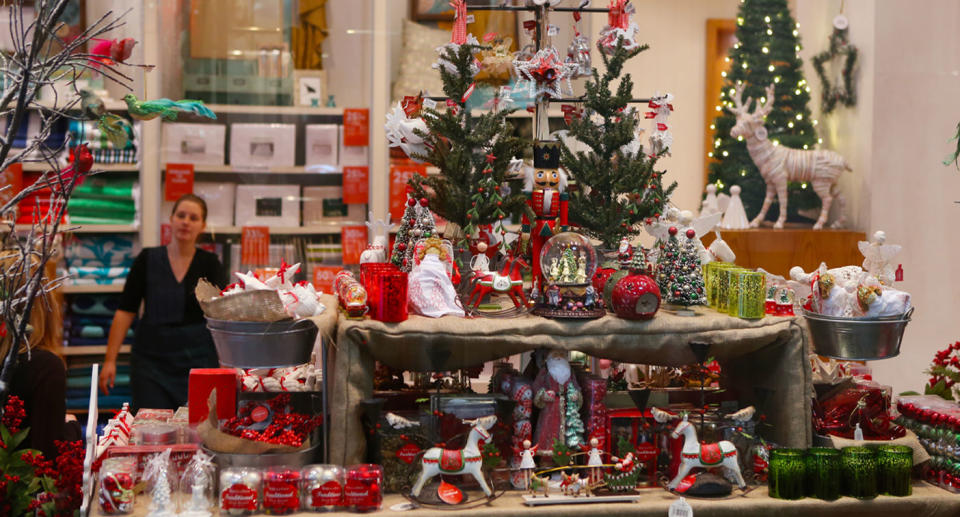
pixel 278 344
pixel 295 459
pixel 857 339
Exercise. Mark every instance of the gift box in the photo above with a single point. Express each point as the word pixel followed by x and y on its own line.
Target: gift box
pixel 202 382
pixel 325 205
pixel 180 455
pixel 194 143
pixel 350 156
pixel 321 145
pixel 267 205
pixel 839 412
pixel 262 145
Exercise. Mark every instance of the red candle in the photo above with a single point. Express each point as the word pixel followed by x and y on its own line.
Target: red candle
pixel 362 491
pixel 281 491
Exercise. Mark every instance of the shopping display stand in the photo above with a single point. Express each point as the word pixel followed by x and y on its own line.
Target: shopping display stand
pixel 767 355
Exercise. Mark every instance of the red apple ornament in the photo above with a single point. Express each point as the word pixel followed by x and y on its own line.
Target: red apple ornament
pixel 636 297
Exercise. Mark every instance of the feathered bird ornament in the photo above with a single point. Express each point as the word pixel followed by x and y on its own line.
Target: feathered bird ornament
pixel 166 108
pixel 116 128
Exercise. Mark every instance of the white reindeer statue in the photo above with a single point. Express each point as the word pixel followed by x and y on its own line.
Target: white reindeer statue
pixel 695 454
pixel 380 229
pixel 779 164
pixel 468 460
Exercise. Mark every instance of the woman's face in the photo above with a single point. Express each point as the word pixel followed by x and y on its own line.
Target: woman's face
pixel 187 221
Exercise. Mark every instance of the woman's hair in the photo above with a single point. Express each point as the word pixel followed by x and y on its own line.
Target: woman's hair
pixel 194 198
pixel 46 316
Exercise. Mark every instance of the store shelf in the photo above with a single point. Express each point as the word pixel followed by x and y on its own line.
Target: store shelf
pixel 90 228
pixel 324 229
pixel 275 110
pixel 93 289
pixel 231 169
pixel 110 104
pixel 91 350
pixel 97 167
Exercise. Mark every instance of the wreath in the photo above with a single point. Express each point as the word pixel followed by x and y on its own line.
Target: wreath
pixel 832 94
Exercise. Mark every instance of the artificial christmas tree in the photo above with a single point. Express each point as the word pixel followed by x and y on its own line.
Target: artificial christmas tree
pixel 402 241
pixel 573 430
pixel 767 52
pixel 678 270
pixel 617 187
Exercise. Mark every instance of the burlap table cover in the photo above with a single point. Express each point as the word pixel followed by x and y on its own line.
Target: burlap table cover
pixel 764 358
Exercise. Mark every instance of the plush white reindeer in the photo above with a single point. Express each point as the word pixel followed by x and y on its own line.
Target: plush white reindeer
pixel 380 229
pixel 779 164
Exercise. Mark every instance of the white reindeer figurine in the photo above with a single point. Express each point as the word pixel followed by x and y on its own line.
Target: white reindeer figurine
pixel 695 454
pixel 380 229
pixel 779 164
pixel 468 460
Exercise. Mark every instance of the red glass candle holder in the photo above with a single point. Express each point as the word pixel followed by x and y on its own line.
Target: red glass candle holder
pixel 386 289
pixel 368 274
pixel 281 491
pixel 363 490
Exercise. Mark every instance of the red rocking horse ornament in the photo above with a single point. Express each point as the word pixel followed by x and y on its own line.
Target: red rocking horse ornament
pixel 508 280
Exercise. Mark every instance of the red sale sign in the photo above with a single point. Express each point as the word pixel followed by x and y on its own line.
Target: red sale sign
pixel 255 245
pixel 323 277
pixel 178 181
pixel 356 185
pixel 400 174
pixel 353 240
pixel 356 127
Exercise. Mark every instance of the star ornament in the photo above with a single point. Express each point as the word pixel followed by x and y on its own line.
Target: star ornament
pixel 845 92
pixel 545 73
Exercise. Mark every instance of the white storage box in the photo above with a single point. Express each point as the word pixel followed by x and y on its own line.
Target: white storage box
pixel 267 205
pixel 320 147
pixel 219 198
pixel 351 156
pixel 325 205
pixel 262 145
pixel 199 144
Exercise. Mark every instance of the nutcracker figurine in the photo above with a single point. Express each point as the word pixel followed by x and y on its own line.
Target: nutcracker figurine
pixel 545 187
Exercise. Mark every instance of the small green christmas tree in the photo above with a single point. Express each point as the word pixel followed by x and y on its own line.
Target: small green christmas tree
pixel 767 52
pixel 472 153
pixel 616 189
pixel 491 456
pixel 402 240
pixel 678 271
pixel 573 425
pixel 561 453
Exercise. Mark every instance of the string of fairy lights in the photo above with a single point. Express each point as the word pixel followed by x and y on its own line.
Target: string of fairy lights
pixel 726 96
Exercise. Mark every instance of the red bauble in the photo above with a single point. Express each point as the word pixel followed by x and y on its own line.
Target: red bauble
pixel 411 202
pixel 636 297
pixel 673 230
pixel 691 234
pixel 423 201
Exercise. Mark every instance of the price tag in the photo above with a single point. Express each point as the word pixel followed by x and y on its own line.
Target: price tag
pixel 353 240
pixel 470 18
pixel 449 493
pixel 255 245
pixel 323 277
pixel 898 274
pixel 356 127
pixel 552 30
pixel 400 174
pixel 356 185
pixel 178 181
pixel 12 176
pixel 680 508
pixel 430 103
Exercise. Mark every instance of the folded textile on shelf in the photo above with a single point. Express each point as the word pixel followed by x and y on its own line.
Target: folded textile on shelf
pixel 95 206
pixel 105 188
pixel 93 221
pixel 97 281
pixel 106 249
pixel 98 272
pixel 89 133
pixel 95 304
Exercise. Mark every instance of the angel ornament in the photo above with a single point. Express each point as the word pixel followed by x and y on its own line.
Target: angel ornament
pixel 734 215
pixel 685 221
pixel 877 257
pixel 431 290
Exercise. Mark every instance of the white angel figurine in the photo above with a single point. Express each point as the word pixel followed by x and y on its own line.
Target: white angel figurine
pixel 714 203
pixel 877 257
pixel 735 216
pixel 431 292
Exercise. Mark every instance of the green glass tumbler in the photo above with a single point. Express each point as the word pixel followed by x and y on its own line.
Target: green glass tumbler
pixel 858 471
pixel 823 473
pixel 787 472
pixel 895 470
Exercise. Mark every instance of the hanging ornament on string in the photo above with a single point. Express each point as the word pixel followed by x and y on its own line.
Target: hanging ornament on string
pixel 841 55
pixel 496 62
pixel 578 53
pixel 661 139
pixel 545 73
pixel 458 36
pixel 526 53
pixel 618 27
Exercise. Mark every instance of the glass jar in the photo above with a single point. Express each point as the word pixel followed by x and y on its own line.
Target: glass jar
pixel 787 471
pixel 823 473
pixel 116 486
pixel 322 487
pixel 895 470
pixel 362 492
pixel 859 472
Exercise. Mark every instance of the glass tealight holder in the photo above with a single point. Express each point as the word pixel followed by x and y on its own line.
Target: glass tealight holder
pixel 823 473
pixel 895 470
pixel 858 472
pixel 787 472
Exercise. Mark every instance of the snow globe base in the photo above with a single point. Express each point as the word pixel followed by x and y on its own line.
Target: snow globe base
pixel 571 301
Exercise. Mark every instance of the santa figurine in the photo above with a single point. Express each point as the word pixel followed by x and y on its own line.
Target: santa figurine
pixel 544 185
pixel 555 391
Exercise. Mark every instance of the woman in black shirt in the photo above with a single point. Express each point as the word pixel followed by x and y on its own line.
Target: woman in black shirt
pixel 171 337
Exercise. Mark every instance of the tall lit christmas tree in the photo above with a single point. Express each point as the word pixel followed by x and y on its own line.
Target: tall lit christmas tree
pixel 767 52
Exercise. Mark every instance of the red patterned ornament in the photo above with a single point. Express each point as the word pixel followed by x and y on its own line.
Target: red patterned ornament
pixel 636 297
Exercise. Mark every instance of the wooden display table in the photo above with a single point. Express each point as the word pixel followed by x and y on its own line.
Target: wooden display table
pixel 778 250
pixel 761 358
pixel 926 501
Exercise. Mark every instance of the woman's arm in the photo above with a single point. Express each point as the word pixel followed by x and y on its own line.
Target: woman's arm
pixel 118 331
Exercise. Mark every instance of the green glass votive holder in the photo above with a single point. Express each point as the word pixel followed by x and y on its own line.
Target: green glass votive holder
pixel 858 472
pixel 895 470
pixel 727 288
pixel 786 474
pixel 751 296
pixel 823 473
pixel 711 280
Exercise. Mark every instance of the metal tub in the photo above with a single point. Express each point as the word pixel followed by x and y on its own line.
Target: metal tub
pixel 858 339
pixel 242 344
pixel 282 459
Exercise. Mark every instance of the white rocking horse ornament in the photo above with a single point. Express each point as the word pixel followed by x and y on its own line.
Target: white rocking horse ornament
pixel 779 164
pixel 694 454
pixel 468 460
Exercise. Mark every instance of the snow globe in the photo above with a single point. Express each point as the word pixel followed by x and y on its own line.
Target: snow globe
pixel 567 264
